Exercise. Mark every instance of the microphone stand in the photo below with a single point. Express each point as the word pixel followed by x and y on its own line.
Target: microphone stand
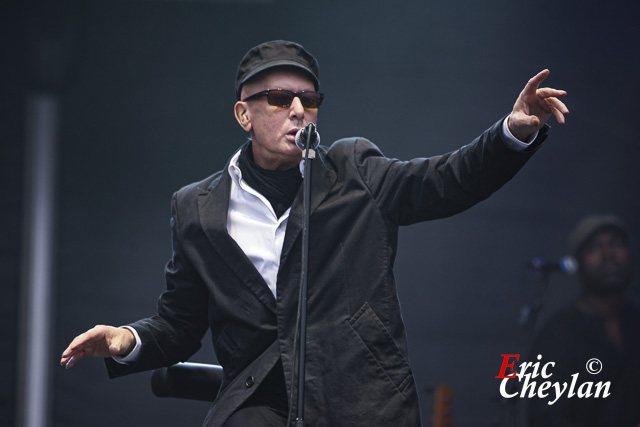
pixel 512 413
pixel 308 154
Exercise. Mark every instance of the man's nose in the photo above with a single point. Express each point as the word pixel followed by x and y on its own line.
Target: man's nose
pixel 297 110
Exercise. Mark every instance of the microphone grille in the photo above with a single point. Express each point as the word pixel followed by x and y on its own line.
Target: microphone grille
pixel 301 137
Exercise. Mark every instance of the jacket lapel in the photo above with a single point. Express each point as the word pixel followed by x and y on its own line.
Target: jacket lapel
pixel 323 178
pixel 213 206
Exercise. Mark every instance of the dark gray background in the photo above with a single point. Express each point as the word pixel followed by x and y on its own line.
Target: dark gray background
pixel 146 96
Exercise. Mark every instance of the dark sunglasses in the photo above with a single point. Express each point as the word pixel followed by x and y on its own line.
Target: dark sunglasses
pixel 284 98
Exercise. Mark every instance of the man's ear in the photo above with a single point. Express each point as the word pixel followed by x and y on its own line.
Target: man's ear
pixel 242 115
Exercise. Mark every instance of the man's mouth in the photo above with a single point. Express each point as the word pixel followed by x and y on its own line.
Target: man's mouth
pixel 291 135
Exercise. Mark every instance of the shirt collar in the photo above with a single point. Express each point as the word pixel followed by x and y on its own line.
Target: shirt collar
pixel 236 173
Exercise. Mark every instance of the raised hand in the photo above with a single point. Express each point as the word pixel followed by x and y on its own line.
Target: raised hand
pixel 535 106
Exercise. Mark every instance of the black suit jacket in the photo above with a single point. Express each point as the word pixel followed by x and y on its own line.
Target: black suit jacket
pixel 357 370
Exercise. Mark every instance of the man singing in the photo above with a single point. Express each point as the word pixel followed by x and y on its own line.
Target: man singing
pixel 236 259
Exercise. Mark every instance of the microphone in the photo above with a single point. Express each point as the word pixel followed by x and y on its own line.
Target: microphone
pixel 566 265
pixel 302 134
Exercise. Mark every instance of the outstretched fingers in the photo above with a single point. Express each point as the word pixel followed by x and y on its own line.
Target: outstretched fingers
pixel 558 108
pixel 99 341
pixel 74 352
pixel 70 361
pixel 548 92
pixel 534 107
pixel 85 344
pixel 556 103
pixel 534 82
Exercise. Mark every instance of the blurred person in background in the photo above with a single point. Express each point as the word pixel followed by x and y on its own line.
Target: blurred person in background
pixel 600 323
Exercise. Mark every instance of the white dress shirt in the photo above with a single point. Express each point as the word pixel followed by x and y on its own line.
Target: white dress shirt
pixel 253 224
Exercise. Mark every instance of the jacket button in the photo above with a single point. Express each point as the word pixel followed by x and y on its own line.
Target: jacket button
pixel 249 381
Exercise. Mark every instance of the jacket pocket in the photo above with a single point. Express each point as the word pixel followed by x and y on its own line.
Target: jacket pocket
pixel 371 331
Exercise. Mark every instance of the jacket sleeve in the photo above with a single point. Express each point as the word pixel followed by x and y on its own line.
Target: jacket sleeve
pixel 175 333
pixel 428 188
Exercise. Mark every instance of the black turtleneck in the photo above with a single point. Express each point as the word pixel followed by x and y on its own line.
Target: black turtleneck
pixel 278 187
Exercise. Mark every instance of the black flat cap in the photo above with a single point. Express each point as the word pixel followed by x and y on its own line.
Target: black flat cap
pixel 276 53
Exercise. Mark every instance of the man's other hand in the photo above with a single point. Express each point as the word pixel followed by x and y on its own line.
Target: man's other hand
pixel 99 341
